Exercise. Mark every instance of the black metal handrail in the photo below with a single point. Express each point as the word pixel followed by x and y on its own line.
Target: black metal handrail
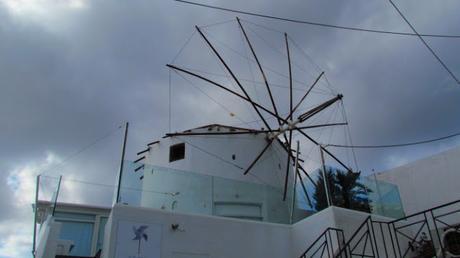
pixel 420 240
pixel 367 234
pixel 325 243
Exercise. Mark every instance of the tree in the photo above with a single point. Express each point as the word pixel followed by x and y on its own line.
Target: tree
pixel 345 190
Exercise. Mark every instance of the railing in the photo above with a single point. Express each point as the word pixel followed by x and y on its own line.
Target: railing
pixel 324 244
pixel 418 235
pixel 362 243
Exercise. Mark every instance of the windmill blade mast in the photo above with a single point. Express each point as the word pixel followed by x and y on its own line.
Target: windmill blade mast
pixel 319 108
pixel 290 74
pixel 304 188
pixel 320 125
pixel 324 149
pixel 286 177
pixel 260 69
pixel 224 88
pixel 216 133
pixel 304 96
pixel 233 76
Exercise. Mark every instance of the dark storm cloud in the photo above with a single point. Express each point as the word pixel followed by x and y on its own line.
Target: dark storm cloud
pixel 70 76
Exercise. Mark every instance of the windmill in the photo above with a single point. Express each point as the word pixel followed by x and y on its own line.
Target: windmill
pixel 283 131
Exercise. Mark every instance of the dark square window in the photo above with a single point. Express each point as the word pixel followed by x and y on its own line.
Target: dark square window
pixel 176 152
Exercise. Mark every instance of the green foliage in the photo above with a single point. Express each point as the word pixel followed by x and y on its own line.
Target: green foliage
pixel 345 190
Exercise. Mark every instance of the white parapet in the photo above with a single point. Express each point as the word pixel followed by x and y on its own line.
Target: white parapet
pixel 176 235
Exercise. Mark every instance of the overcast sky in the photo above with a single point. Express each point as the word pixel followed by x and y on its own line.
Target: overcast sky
pixel 72 72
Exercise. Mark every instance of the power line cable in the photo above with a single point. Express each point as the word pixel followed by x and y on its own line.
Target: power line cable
pixel 394 145
pixel 316 23
pixel 107 185
pixel 84 148
pixel 426 44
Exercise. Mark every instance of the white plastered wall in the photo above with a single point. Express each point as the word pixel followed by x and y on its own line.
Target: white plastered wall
pixel 428 182
pixel 217 237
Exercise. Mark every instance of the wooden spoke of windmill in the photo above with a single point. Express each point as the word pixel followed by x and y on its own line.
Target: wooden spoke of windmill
pixel 286 125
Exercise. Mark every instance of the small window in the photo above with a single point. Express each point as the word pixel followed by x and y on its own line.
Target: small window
pixel 176 152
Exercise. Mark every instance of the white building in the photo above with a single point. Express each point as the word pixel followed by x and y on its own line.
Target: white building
pixel 195 202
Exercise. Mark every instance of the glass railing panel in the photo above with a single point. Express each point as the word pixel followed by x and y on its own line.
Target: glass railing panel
pixel 196 193
pixel 351 191
pixel 176 190
pixel 385 198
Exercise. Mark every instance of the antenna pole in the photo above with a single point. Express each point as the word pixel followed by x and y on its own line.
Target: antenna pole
pixel 57 195
pixel 326 187
pixel 37 186
pixel 122 158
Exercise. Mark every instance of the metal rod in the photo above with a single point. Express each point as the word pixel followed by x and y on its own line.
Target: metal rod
pixel 304 189
pixel 326 187
pixel 308 176
pixel 383 240
pixel 324 149
pixel 304 96
pixel 437 231
pixel 319 108
pixel 391 239
pixel 143 151
pixel 139 159
pixel 260 69
pixel 429 230
pixel 286 177
pixel 139 168
pixel 122 158
pixel 290 74
pixel 320 125
pixel 34 242
pixel 296 167
pixel 224 88
pixel 374 243
pixel 258 157
pixel 218 133
pixel 57 195
pixel 152 143
pixel 233 75
pixel 397 239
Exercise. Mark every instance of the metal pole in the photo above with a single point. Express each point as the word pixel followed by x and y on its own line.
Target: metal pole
pixel 326 187
pixel 295 180
pixel 377 187
pixel 57 195
pixel 120 172
pixel 35 216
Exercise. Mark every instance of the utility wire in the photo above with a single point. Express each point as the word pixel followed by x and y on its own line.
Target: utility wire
pixel 73 155
pixel 426 44
pixel 394 145
pixel 106 185
pixel 317 23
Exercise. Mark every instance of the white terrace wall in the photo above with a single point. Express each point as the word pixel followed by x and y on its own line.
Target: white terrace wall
pixel 428 182
pixel 200 236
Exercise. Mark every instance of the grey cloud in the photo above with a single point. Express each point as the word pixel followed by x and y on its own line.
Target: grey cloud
pixel 65 84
